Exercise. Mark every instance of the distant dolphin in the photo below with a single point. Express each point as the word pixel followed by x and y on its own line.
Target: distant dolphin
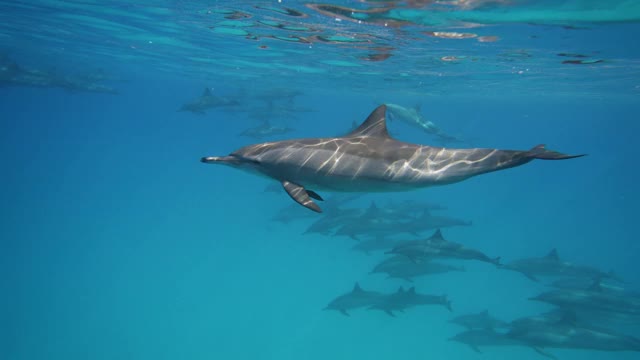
pixel 369 160
pixel 413 117
pixel 207 101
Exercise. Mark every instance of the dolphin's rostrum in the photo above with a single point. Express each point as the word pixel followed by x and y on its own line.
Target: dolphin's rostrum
pixel 369 160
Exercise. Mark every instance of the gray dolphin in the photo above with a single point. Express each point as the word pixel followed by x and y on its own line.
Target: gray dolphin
pixel 593 299
pixel 551 265
pixel 479 321
pixel 405 299
pixel 356 298
pixel 207 101
pixel 541 332
pixel 265 130
pixel 369 160
pixel 437 246
pixel 490 338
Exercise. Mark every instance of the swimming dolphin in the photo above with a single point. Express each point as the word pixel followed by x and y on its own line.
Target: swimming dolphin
pixel 265 130
pixel 369 160
pixel 437 246
pixel 568 334
pixel 490 338
pixel 207 101
pixel 405 299
pixel 479 321
pixel 356 298
pixel 551 265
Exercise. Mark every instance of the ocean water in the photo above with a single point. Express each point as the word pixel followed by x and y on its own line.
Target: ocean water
pixel 118 243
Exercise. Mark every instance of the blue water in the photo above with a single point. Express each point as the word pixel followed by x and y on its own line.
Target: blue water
pixel 117 243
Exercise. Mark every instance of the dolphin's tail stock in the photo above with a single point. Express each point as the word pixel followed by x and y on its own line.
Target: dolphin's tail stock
pixel 540 152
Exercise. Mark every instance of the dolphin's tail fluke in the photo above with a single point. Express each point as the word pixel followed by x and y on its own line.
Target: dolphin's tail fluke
pixel 447 303
pixel 496 261
pixel 540 152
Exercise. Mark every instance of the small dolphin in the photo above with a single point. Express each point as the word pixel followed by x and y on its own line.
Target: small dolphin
pixel 595 299
pixel 413 117
pixel 207 101
pixel 437 246
pixel 404 299
pixel 356 298
pixel 490 338
pixel 545 332
pixel 266 129
pixel 409 270
pixel 551 265
pixel 369 160
pixel 373 223
pixel 481 320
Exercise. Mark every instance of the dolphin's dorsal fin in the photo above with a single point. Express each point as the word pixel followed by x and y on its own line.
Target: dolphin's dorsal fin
pixel 412 290
pixel 595 286
pixel 206 92
pixel 400 290
pixel 356 288
pixel 372 210
pixel 437 236
pixel 375 125
pixel 553 255
pixel 567 318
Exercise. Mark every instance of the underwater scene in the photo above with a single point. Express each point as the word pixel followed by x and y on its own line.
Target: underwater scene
pixel 429 179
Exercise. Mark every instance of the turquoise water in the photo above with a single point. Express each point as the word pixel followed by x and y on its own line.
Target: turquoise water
pixel 119 244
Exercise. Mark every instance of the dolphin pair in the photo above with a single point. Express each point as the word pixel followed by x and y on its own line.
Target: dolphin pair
pixel 369 160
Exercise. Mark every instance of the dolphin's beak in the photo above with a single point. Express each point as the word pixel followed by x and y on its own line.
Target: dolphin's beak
pixel 228 160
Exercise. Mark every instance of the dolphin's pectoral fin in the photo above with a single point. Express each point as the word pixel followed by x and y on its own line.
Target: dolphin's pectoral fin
pixel 344 312
pixel 544 353
pixel 314 195
pixel 530 276
pixel 475 348
pixel 301 196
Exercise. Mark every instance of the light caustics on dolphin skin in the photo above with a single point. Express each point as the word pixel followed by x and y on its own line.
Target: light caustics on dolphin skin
pixel 369 160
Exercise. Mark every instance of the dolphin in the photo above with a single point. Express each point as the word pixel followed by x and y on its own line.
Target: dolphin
pixel 373 225
pixel 479 321
pixel 551 265
pixel 375 244
pixel 356 298
pixel 368 159
pixel 437 246
pixel 207 101
pixel 404 299
pixel 408 270
pixel 413 117
pixel 543 332
pixel 593 299
pixel 264 130
pixel 491 338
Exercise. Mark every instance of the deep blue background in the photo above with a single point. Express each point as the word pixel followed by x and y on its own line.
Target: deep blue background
pixel 117 243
